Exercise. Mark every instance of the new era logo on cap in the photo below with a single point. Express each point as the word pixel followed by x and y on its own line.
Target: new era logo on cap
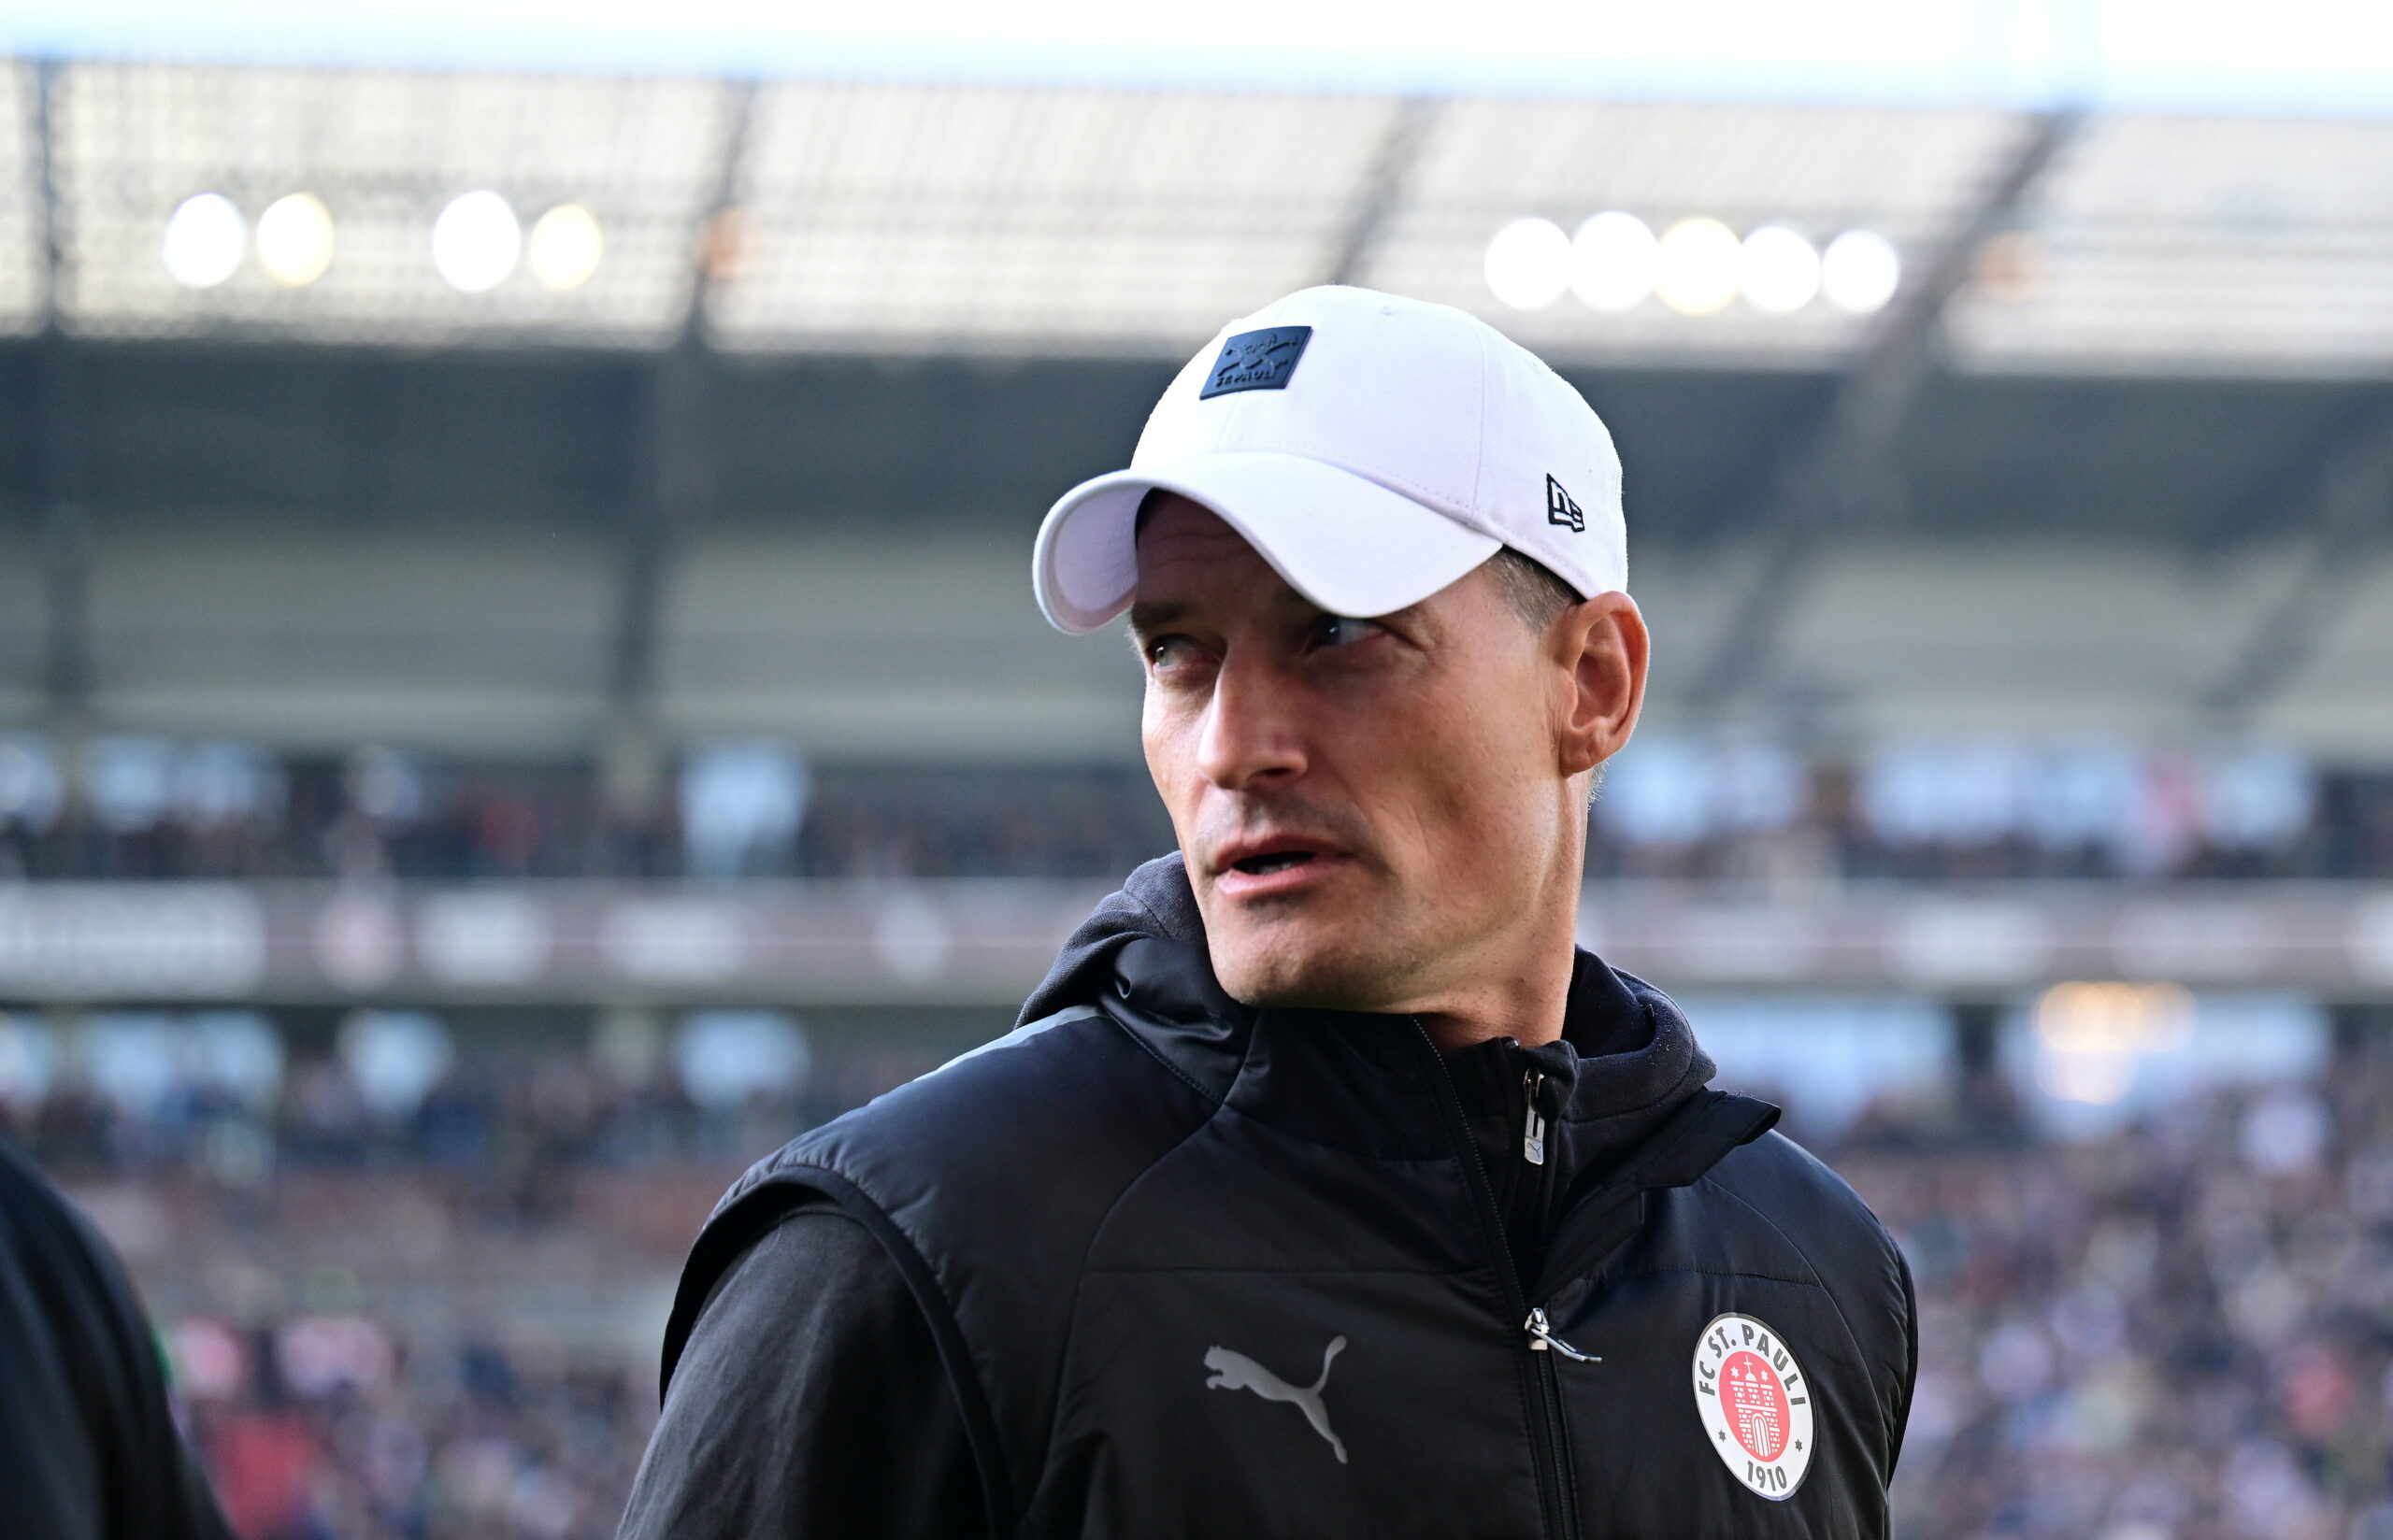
pixel 1559 509
pixel 1257 361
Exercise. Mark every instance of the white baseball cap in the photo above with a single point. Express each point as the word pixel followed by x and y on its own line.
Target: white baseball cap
pixel 1372 449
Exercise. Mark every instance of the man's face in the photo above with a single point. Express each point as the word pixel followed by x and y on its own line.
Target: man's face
pixel 1367 808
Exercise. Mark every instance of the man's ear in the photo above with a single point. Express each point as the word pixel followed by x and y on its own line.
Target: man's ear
pixel 1601 644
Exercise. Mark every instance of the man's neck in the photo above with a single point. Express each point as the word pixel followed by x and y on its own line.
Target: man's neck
pixel 1527 1002
pixel 1529 1024
pixel 1518 985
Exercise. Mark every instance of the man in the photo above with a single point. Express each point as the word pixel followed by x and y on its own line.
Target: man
pixel 88 1449
pixel 1325 1190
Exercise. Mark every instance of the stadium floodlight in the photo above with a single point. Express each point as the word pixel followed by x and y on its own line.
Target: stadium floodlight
pixel 295 239
pixel 565 247
pixel 206 239
pixel 2091 1036
pixel 1698 270
pixel 1529 263
pixel 476 242
pixel 1613 260
pixel 1778 270
pixel 1860 271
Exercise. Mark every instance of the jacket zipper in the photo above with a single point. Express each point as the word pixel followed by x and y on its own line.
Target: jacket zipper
pixel 1549 1450
pixel 1534 1133
pixel 1541 1337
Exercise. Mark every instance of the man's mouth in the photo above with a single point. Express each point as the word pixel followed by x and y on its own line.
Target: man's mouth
pixel 1277 861
pixel 1270 867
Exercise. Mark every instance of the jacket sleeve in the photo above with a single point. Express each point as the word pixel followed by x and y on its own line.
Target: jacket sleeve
pixel 88 1449
pixel 810 1401
pixel 1900 1418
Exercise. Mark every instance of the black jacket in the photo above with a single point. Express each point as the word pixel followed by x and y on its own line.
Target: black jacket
pixel 1195 1269
pixel 87 1447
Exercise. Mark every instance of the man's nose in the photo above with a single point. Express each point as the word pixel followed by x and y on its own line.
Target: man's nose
pixel 1254 728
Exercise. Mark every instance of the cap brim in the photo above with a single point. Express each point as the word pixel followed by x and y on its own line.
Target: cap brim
pixel 1343 541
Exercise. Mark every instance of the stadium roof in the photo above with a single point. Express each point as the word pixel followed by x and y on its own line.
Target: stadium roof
pixel 316 545
pixel 853 216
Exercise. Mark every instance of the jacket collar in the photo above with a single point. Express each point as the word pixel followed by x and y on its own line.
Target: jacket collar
pixel 1628 1059
pixel 1634 1119
pixel 1627 1066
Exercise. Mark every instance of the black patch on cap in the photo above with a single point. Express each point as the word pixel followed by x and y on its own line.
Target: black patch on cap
pixel 1257 361
pixel 1561 509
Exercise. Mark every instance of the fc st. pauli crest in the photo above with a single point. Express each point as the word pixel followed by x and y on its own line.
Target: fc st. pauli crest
pixel 1755 1404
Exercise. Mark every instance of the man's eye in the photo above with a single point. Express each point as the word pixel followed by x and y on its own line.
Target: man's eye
pixel 1165 651
pixel 1345 630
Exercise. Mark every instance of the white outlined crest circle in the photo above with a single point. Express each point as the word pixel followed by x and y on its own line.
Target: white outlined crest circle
pixel 1755 1404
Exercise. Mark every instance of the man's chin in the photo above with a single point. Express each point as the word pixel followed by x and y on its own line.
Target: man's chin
pixel 1287 964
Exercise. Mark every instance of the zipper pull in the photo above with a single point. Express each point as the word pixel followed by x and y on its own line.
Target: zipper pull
pixel 1533 1131
pixel 1541 1337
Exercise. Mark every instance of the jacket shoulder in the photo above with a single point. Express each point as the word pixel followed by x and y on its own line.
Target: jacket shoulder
pixel 1798 1193
pixel 1770 1209
pixel 1025 1142
pixel 1071 1103
pixel 985 1181
pixel 1800 1214
pixel 1778 1209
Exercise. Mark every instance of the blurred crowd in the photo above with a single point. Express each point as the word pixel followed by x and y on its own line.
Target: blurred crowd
pixel 147 807
pixel 411 1280
pixel 1671 806
pixel 2179 1331
pixel 239 1098
pixel 1987 809
pixel 323 1427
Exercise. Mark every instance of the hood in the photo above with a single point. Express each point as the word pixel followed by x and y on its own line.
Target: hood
pixel 1629 1096
pixel 1155 902
pixel 1627 1061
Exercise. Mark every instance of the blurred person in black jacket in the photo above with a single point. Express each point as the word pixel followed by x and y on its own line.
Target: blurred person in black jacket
pixel 88 1449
